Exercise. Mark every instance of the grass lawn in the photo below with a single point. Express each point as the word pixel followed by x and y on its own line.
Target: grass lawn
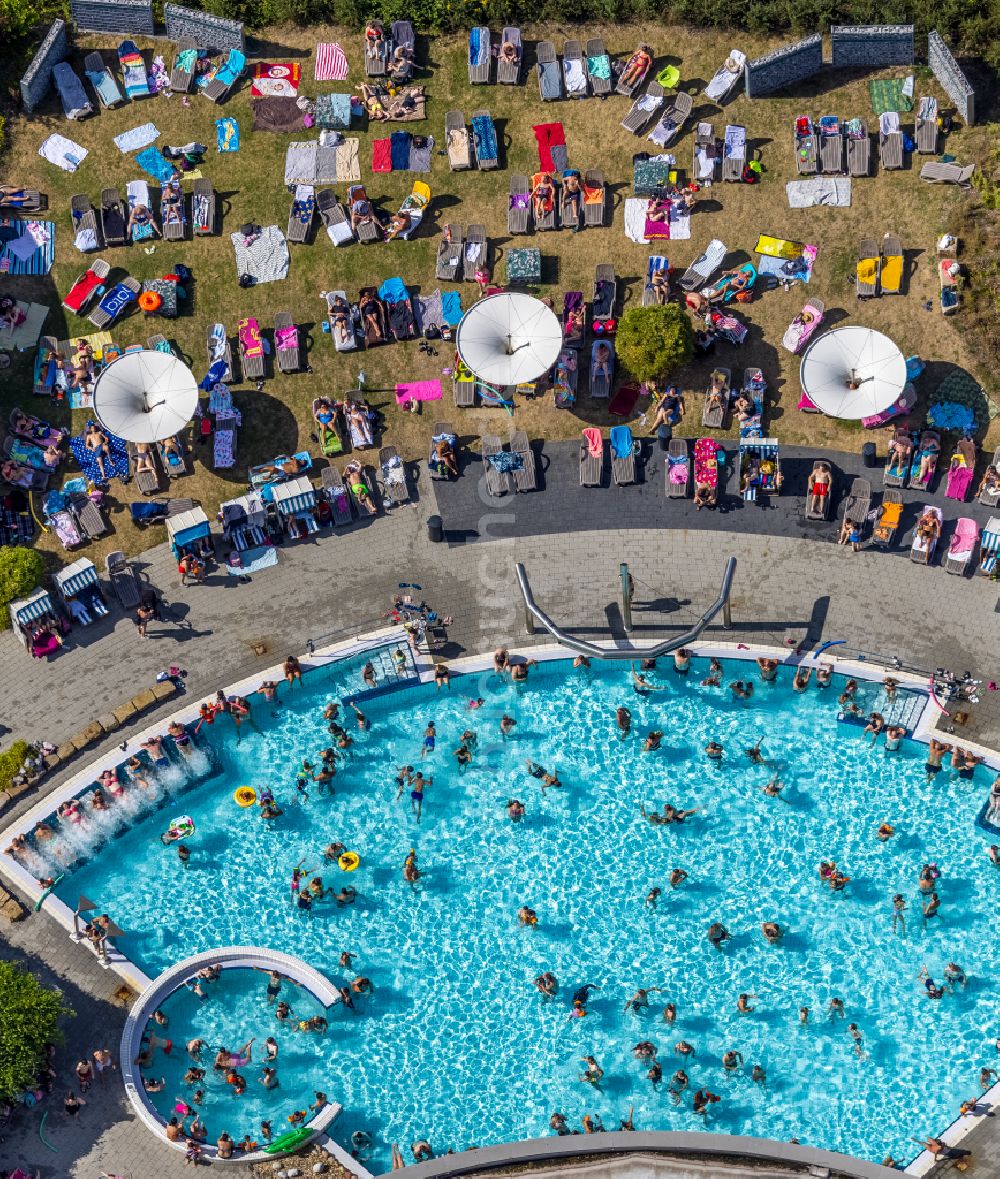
pixel 251 187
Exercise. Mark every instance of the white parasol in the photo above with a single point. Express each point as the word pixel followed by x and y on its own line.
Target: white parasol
pixel 145 396
pixel 509 338
pixel 852 372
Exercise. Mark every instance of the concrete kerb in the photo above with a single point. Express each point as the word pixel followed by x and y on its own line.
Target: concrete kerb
pixel 230 958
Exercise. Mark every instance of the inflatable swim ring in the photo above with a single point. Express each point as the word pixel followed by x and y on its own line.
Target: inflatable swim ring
pixel 180 828
pixel 150 301
pixel 349 861
pixel 245 796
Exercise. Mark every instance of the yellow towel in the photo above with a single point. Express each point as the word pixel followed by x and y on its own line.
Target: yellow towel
pixel 867 271
pixel 892 271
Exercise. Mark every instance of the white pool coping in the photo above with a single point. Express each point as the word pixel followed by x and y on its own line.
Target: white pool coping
pixel 469 665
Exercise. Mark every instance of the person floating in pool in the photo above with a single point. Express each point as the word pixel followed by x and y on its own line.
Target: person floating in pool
pixel 754 753
pixel 404 775
pixel 732 1060
pixel 411 873
pixel 654 1074
pixel 768 670
pixel 644 1051
pixel 640 1000
pixel 641 686
pixel 743 1004
pixel 670 1012
pixel 741 690
pixel 759 1076
pixel 547 984
pixel 836 1009
pixel 417 788
pixel 557 1122
pixel 670 815
pixel 592 1073
pixel 653 741
pixel 462 756
pixel 542 774
pixel 774 788
pixel 772 932
pixel 899 913
pixel 224 1059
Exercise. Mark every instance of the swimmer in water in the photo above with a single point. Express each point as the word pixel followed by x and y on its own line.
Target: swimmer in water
pixel 652 898
pixel 677 877
pixel 640 1000
pixel 541 773
pixel 547 984
pixel 754 753
pixel 714 751
pixel 527 917
pixel 515 810
pixel 592 1073
pixel 670 1013
pixel 623 718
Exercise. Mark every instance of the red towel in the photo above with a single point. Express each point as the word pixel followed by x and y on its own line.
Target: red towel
pixel 81 291
pixel 595 442
pixel 549 135
pixel 382 155
pixel 623 402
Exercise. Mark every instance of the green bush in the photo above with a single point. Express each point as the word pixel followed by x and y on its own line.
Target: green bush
pixel 653 342
pixel 29 1022
pixel 21 572
pixel 11 761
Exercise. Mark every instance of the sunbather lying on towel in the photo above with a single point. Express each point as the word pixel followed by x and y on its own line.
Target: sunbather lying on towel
pixel 354 476
pixel 928 527
pixel 12 196
pixel 818 490
pixel 96 441
pixel 444 456
pixel 990 481
pixel 900 450
pixel 638 64
pixel 141 224
pixel 602 361
pixel 360 420
pixel 572 195
pixel 928 459
pixel 371 317
pixel 509 52
pixel 373 98
pixel 659 283
pixel 542 196
pixel 401 223
pixel 143 457
pixel 325 417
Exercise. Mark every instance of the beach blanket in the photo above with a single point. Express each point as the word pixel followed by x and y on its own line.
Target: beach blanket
pixel 831 191
pixel 524 264
pixel 253 560
pixel 420 157
pixel 451 307
pixel 458 148
pixel 137 138
pixel 265 258
pixel 152 162
pixel 300 163
pixel 599 67
pixel 635 220
pixel 889 94
pixel 333 112
pixel 399 150
pixel 116 461
pixel 795 269
pixel 63 152
pixel 381 155
pixel 428 311
pixel 417 391
pixel 485 135
pixel 551 139
pixel 275 114
pixel 623 402
pixel 27 248
pixel 28 331
pixel 680 221
pixel 652 174
pixel 275 79
pixel 331 62
pixel 347 165
pixel 227 135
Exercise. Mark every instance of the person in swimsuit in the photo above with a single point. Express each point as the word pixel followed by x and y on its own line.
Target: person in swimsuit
pixel 430 736
pixel 419 784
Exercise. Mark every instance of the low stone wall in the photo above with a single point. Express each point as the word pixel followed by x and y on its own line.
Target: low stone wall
pixel 948 72
pixel 785 66
pixel 213 32
pixel 38 76
pixel 871 45
pixel 114 16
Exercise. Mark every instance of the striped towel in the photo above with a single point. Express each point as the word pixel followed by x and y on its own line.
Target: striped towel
pixel 331 62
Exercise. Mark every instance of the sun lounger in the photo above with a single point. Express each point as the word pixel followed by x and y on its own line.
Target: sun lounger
pixel 928 447
pixel 463 385
pixel 367 229
pixel 137 195
pixel 803 327
pixel 570 211
pixel 989 548
pixel 574 328
pixel 593 198
pixel 220 354
pixel 75 103
pixel 734 152
pixel 185 62
pixel 726 77
pixel 963 544
pixel 498 482
pixel 331 434
pixel 441 432
pixel 605 296
pixel 672 121
pixel 393 470
pixel 114 219
pixel 509 70
pixel 148 479
pixel 548 218
pixel 404 38
pixel 375 329
pixel 716 409
pixel 84 219
pixel 448 266
pixel 476 252
pixel 890 140
pixel 120 573
pixel 806 147
pixel 926 133
pixel 896 472
pixel 990 496
pixel 601 382
pixel 574 70
pixel 173 456
pixel 115 302
pixel 703 267
pixel 26 200
pixel 591 457
pixel 818 504
pixel 286 343
pixel 133 68
pixel 891 275
pixel 226 76
pixel 598 67
pixel 831 145
pixel 251 349
pixel 706 162
pixel 948 275
pixel 867 270
pixel 102 80
pixel 357 470
pixel 86 287
pixel 622 456
pixel 628 88
pixel 334 219
pixel 378 49
pixel 922 548
pixel 644 108
pixel 519 207
pixel 458 142
pixel 203 208
pixel 173 214
pixel 484 138
pixel 677 469
pixel 938 173
pixel 857 504
pixel 480 55
pixel 859 149
pixel 654 295
pixel 302 213
pixel 549 73
pixel 525 476
pixel 335 493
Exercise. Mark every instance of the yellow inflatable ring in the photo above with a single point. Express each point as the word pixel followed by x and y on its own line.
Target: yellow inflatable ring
pixel 349 861
pixel 245 796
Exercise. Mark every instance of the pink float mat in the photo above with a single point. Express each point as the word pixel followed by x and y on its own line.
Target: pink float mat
pixel 418 391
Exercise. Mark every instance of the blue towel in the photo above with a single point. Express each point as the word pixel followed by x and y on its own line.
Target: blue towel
pixel 486 137
pixel 116 464
pixel 227 134
pixel 621 441
pixel 393 290
pixel 479 47
pixel 147 510
pixel 151 161
pixel 505 461
pixel 399 150
pixel 451 308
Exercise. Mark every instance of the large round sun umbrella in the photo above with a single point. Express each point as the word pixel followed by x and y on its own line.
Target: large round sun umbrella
pixel 852 372
pixel 145 396
pixel 509 338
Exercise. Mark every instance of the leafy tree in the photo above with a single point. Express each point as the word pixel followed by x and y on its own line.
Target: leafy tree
pixel 653 342
pixel 29 1022
pixel 21 572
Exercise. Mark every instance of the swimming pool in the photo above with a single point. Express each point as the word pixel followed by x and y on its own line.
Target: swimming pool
pixel 457 1045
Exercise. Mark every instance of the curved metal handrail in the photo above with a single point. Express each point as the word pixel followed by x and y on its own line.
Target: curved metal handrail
pixel 630 652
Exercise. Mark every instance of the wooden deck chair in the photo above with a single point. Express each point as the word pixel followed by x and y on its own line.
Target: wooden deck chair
pixel 591 465
pixel 474 259
pixel 868 268
pixel 733 163
pixel 487 157
pixel 148 480
pixel 114 217
pixel 226 77
pixel 509 70
pixel 450 251
pixel 891 275
pixel 84 216
pixel 518 212
pixel 598 67
pixel 574 70
pixel 203 208
pixel 593 198
pixel 458 142
pixel 289 358
pixel 101 318
pixel 926 133
pixel 857 504
pixel 480 63
pixel 716 410
pixel 644 108
pixel 550 80
pixel 463 386
pixel 335 493
pixel 302 214
pixel 180 77
pixel 497 482
pixel 890 140
pixel 859 153
pixel 677 461
pixel 938 173
pixel 525 477
pixel 102 80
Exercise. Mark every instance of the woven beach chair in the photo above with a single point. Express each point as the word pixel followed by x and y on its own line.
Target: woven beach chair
pixel 525 477
pixel 593 210
pixel 448 267
pixel 868 268
pixel 84 216
pixel 600 85
pixel 475 235
pixel 181 78
pixel 677 455
pixel 714 418
pixel 938 173
pixel 644 108
pixel 479 71
pixel 926 133
pixel 859 153
pixel 591 465
pixel 497 482
pixel 517 215
pixel 114 217
pixel 203 208
pixel 857 504
pixel 509 72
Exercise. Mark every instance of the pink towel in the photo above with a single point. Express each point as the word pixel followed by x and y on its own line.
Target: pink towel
pixel 595 443
pixel 382 155
pixel 959 480
pixel 418 391
pixel 657 230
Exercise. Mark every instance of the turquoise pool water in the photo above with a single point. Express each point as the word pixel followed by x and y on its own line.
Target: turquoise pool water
pixel 457 1044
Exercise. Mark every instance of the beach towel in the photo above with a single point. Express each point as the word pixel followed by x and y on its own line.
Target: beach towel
pixel 621 442
pixel 137 138
pixel 347 163
pixel 550 74
pixel 251 343
pixel 551 139
pixel 793 269
pixel 331 62
pixel 680 221
pixel 275 79
pixel 227 134
pixel 63 152
pixel 623 402
pixel 599 67
pixel 595 442
pixel 27 248
pixel 265 258
pixel 333 112
pixel 635 220
pixel 485 136
pixel 152 162
pixel 420 157
pixel 116 461
pixel 399 150
pixel 959 482
pixel 428 311
pixel 657 230
pixel 479 47
pixel 889 94
pixel 418 391
pixel 574 77
pixel 451 307
pixel 118 299
pixel 253 560
pixel 300 163
pixel 275 114
pixel 28 331
pixel 382 155
pixel 506 460
pixel 831 191
pixel 393 290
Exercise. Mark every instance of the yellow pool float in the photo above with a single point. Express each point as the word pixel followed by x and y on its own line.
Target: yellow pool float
pixel 349 861
pixel 245 796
